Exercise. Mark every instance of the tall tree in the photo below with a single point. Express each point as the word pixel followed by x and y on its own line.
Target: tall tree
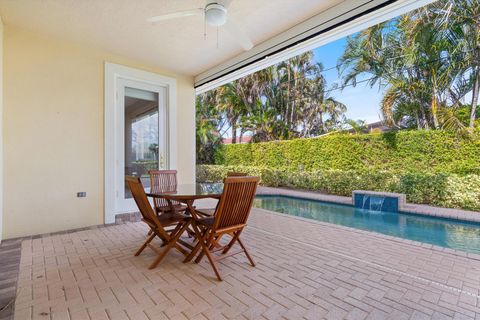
pixel 208 120
pixel 284 101
pixel 427 60
pixel 460 22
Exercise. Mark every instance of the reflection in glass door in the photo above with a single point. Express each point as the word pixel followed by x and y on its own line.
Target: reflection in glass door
pixel 141 134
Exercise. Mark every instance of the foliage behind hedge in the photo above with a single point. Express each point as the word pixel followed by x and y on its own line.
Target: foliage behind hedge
pixel 440 189
pixel 400 151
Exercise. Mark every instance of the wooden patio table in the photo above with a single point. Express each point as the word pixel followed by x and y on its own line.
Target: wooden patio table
pixel 187 194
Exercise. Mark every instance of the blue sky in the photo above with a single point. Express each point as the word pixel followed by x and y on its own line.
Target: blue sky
pixel 362 101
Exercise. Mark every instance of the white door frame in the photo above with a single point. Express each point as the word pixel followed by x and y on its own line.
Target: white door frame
pixel 113 73
pixel 124 205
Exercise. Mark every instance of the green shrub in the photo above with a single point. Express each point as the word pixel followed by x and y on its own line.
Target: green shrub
pixel 439 189
pixel 399 151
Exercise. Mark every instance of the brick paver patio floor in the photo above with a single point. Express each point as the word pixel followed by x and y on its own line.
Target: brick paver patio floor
pixel 305 270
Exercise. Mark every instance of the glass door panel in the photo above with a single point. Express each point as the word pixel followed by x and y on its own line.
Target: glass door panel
pixel 141 134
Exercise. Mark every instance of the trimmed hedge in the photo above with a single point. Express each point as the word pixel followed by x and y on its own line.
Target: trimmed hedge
pixel 439 189
pixel 433 151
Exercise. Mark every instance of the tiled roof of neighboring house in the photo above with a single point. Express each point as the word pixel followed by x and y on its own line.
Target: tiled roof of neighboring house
pixel 243 139
pixel 379 125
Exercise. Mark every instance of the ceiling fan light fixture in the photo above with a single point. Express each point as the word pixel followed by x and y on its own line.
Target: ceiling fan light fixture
pixel 215 14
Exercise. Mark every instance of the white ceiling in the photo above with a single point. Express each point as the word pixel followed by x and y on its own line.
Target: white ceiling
pixel 119 27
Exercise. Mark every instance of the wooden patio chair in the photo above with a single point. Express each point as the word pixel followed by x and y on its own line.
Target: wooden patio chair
pixel 230 218
pixel 164 181
pixel 158 224
pixel 211 212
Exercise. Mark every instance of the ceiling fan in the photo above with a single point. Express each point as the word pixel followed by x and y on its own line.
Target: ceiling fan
pixel 215 14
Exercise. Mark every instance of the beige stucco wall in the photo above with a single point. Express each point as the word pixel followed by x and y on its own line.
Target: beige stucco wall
pixel 1 129
pixel 54 132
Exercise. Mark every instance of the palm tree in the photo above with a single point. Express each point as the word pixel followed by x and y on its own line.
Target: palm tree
pixel 377 56
pixel 284 101
pixel 296 89
pixel 421 60
pixel 321 111
pixel 208 122
pixel 237 99
pixel 358 126
pixel 293 77
pixel 400 104
pixel 459 20
pixel 231 106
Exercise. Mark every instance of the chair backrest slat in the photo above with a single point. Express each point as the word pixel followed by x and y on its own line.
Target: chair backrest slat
pixel 236 201
pixel 163 181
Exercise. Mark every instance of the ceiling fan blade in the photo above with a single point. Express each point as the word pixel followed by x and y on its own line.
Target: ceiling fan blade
pixel 238 34
pixel 174 15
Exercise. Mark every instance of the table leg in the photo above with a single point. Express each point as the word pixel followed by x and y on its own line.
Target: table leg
pixel 196 229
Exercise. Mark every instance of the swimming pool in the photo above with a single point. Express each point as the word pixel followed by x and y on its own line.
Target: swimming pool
pixel 448 233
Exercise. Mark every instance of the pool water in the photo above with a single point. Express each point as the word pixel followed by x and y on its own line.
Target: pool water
pixel 448 233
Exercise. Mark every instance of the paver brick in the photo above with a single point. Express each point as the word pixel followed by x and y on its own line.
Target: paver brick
pixel 305 270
